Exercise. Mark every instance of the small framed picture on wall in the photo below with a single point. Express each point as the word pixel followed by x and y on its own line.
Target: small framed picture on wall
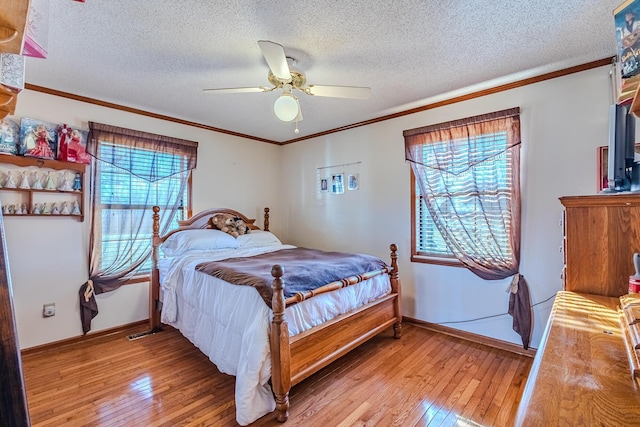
pixel 353 181
pixel 337 183
pixel 324 184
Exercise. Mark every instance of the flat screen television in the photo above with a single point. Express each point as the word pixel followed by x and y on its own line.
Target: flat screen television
pixel 622 137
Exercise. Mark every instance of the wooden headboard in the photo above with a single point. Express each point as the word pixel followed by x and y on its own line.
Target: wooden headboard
pixel 198 221
pixel 201 220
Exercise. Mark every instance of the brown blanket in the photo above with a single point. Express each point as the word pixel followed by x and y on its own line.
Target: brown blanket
pixel 304 269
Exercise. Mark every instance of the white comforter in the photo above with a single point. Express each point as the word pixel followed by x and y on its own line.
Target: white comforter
pixel 234 333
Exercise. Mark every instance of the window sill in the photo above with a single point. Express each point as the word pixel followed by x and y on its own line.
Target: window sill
pixel 142 278
pixel 424 259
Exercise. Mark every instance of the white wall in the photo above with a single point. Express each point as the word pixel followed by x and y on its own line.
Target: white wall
pixel 48 257
pixel 564 120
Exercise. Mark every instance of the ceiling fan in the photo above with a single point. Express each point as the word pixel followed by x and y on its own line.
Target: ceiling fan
pixel 287 106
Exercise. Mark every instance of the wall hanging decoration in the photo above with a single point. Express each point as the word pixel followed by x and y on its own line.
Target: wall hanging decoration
pixel 336 179
pixel 324 184
pixel 337 183
pixel 352 181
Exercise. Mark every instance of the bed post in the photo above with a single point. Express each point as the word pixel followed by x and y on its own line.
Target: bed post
pixel 154 286
pixel 395 287
pixel 280 349
pixel 266 219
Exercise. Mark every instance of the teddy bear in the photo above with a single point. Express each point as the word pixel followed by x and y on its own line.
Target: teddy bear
pixel 241 226
pixel 223 222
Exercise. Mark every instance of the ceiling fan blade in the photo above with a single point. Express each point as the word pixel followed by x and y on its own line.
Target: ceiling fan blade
pixel 276 59
pixel 339 91
pixel 239 89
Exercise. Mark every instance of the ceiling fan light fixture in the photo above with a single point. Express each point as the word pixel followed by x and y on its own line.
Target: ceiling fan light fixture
pixel 286 107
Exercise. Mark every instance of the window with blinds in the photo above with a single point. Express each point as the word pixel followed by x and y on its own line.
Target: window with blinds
pixel 479 169
pixel 126 196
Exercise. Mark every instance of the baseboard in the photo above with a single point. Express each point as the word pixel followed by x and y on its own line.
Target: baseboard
pixel 123 329
pixel 469 336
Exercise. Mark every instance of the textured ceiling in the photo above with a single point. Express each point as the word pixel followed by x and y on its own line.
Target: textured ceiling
pixel 158 55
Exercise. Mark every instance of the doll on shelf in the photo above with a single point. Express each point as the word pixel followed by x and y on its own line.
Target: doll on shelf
pixel 66 183
pixel 76 208
pixel 54 209
pixel 36 209
pixel 65 209
pixel 37 185
pixel 5 209
pixel 11 182
pixel 24 183
pixel 77 182
pixel 45 209
pixel 25 208
pixel 76 150
pixel 42 148
pixel 50 184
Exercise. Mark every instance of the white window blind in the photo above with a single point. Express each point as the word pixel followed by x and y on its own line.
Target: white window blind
pixel 126 197
pixel 476 166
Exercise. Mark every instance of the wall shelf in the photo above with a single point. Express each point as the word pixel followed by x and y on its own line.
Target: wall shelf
pixel 29 196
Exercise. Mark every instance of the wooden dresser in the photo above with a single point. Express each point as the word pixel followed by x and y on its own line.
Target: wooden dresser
pixel 581 374
pixel 602 233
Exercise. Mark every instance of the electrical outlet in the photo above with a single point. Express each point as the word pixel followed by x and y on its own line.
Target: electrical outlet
pixel 49 310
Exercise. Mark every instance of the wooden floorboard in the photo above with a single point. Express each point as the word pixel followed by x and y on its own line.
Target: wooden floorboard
pixel 423 379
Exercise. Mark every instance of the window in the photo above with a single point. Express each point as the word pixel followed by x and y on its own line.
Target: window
pixel 132 172
pixel 462 190
pixel 126 199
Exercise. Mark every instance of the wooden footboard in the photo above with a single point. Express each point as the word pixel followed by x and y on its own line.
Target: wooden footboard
pixel 295 358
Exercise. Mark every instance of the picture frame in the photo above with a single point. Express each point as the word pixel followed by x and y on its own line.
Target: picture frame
pixel 324 184
pixel 627 35
pixel 353 181
pixel 337 183
pixel 603 166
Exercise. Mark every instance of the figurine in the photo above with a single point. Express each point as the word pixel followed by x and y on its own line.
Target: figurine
pixel 25 209
pixel 11 183
pixel 65 209
pixel 5 209
pixel 36 209
pixel 66 183
pixel 12 209
pixel 49 182
pixel 24 184
pixel 37 185
pixel 19 210
pixel 54 209
pixel 76 208
pixel 77 182
pixel 45 209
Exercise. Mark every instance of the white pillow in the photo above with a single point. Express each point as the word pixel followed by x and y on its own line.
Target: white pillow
pixel 258 238
pixel 197 240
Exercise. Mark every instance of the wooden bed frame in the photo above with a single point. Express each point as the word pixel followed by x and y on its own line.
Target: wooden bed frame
pixel 295 358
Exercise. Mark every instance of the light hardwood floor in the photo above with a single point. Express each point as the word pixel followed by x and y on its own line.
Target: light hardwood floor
pixel 425 378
